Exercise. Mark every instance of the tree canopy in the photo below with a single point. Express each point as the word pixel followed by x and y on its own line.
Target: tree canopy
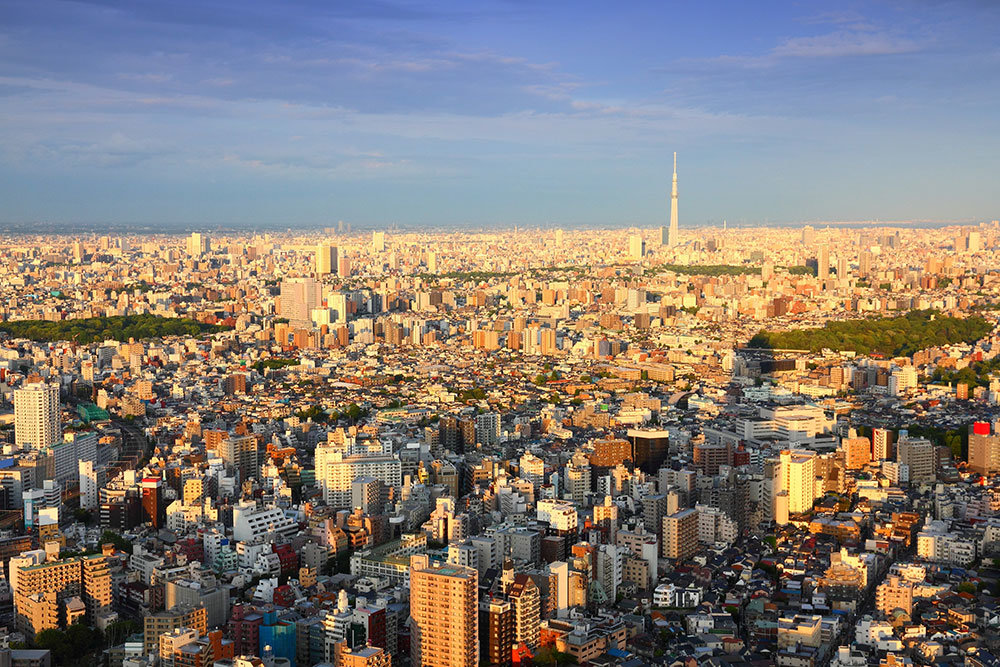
pixel 120 328
pixel 705 269
pixel 890 336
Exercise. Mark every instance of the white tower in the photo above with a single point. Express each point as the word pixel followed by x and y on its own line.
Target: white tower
pixel 674 238
pixel 36 416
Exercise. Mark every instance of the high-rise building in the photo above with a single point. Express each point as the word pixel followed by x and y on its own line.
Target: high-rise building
pixel 636 247
pixel 153 505
pixel 533 469
pixel 798 479
pixel 43 590
pixel 894 593
pixel 918 455
pixel 526 598
pixel 197 244
pixel 326 259
pixel 674 233
pixel 378 241
pixel 488 429
pixel 366 656
pixel 239 454
pixel 444 620
pixel 299 297
pixel 864 263
pixel 857 452
pixel 90 485
pixel 680 534
pixel 882 440
pixel 649 448
pixel 36 416
pixel 578 478
pixel 496 630
pixel 366 493
pixel 823 262
pixel 182 616
pixel 984 449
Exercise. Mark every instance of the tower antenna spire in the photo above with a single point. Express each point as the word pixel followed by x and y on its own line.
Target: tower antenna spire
pixel 673 234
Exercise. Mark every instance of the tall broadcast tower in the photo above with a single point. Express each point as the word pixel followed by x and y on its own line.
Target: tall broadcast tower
pixel 673 237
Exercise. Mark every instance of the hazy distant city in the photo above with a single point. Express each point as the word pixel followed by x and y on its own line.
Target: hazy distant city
pixel 496 334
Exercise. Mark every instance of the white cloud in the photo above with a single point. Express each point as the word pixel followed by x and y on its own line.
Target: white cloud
pixel 842 44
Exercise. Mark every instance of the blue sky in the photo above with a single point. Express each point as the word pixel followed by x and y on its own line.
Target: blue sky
pixel 496 113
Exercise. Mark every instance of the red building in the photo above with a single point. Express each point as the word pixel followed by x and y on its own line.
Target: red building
pixel 193 550
pixel 153 509
pixel 244 629
pixel 288 557
pixel 283 596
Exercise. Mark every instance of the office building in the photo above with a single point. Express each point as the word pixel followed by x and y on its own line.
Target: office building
pixel 636 247
pixel 649 448
pixel 326 259
pixel 197 244
pixel 153 504
pixel 298 298
pixel 823 262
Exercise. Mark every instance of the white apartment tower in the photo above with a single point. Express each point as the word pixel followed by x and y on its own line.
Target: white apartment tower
pixel 36 416
pixel 798 479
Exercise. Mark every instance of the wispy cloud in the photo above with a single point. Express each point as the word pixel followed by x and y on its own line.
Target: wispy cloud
pixel 844 43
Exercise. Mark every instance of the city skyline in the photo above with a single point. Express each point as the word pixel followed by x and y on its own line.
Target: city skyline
pixel 418 449
pixel 439 115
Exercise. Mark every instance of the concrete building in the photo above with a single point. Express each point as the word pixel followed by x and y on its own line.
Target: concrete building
pixel 326 259
pixel 444 619
pixel 240 456
pixel 37 422
pixel 337 468
pixel 526 600
pixel 894 593
pixel 680 534
pixel 798 479
pixel 984 449
pixel 162 622
pixel 918 455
